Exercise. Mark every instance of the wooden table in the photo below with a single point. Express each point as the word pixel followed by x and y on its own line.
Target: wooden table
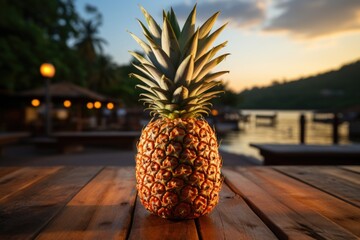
pixel 256 203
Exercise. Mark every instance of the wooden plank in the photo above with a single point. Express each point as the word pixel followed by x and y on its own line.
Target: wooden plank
pixel 349 177
pixel 313 204
pixel 282 220
pixel 24 214
pixel 6 170
pixel 343 214
pixel 232 219
pixel 101 210
pixel 352 168
pixel 22 178
pixel 150 227
pixel 326 182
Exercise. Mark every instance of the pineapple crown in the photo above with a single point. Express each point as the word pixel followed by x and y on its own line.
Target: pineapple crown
pixel 177 64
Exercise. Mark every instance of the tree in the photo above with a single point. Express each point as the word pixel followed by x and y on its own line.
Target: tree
pixel 100 68
pixel 90 44
pixel 105 74
pixel 29 39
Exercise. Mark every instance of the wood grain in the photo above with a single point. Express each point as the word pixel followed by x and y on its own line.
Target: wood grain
pixel 331 220
pixel 255 203
pixel 349 177
pixel 232 219
pixel 352 168
pixel 151 227
pixel 18 180
pixel 283 221
pixel 6 170
pixel 23 215
pixel 101 210
pixel 331 184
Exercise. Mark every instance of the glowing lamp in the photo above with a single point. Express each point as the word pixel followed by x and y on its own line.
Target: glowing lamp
pixel 110 106
pixel 35 102
pixel 97 104
pixel 214 112
pixel 67 103
pixel 90 105
pixel 47 70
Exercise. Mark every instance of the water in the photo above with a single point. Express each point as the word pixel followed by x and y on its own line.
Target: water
pixel 286 131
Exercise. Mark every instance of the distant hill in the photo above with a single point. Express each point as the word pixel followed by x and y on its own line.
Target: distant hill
pixel 330 90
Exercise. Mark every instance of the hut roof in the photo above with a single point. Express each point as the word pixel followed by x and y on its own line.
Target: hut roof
pixel 65 90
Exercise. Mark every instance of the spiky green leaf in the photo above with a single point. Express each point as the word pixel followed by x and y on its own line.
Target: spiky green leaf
pixel 212 76
pixel 192 45
pixel 170 43
pixel 165 83
pixel 153 26
pixel 151 96
pixel 209 95
pixel 177 81
pixel 154 72
pixel 147 49
pixel 180 94
pixel 201 62
pixel 215 49
pixel 209 66
pixel 207 26
pixel 148 82
pixel 188 28
pixel 165 64
pixel 139 57
pixel 143 45
pixel 204 87
pixel 143 70
pixel 145 31
pixel 206 43
pixel 174 23
pixel 185 71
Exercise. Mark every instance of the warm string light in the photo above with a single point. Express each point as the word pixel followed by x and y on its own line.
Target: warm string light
pixel 97 104
pixel 90 105
pixel 35 102
pixel 67 103
pixel 110 106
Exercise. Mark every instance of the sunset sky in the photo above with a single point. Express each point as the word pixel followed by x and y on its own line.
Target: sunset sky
pixel 268 39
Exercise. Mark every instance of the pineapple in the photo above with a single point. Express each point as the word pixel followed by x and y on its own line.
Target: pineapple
pixel 178 166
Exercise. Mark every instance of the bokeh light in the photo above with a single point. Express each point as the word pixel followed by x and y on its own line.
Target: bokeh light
pixel 67 103
pixel 35 102
pixel 90 105
pixel 110 106
pixel 97 104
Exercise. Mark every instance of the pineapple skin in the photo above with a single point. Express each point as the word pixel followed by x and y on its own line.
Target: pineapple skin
pixel 178 168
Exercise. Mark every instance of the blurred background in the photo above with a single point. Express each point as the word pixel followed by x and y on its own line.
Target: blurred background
pixel 294 68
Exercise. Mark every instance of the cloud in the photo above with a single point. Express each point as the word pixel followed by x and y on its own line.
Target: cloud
pixel 239 13
pixel 308 19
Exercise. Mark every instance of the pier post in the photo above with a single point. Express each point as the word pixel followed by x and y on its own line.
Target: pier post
pixel 335 125
pixel 302 128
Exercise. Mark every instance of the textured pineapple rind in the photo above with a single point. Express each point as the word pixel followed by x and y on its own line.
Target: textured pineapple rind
pixel 178 168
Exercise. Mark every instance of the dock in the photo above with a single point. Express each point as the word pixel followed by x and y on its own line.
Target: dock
pixel 300 154
pixel 266 119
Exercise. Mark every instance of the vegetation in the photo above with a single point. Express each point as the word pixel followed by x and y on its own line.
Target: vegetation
pixel 330 90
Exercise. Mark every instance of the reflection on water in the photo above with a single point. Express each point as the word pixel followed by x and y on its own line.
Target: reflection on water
pixel 285 131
